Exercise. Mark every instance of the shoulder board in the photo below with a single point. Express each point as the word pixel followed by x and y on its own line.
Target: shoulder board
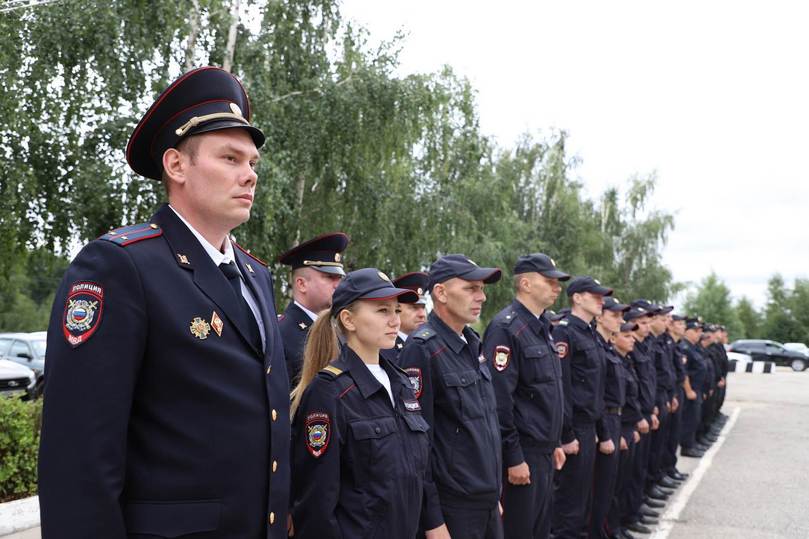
pixel 127 235
pixel 510 317
pixel 245 251
pixel 424 334
pixel 331 369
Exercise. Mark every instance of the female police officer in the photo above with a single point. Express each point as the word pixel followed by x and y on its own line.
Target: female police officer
pixel 360 444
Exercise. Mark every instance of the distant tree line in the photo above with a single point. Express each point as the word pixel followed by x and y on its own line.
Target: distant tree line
pixel 398 162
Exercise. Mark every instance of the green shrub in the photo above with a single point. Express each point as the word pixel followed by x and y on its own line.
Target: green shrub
pixel 19 443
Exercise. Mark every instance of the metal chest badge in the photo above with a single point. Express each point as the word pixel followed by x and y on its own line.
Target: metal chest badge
pixel 83 309
pixel 318 433
pixel 200 328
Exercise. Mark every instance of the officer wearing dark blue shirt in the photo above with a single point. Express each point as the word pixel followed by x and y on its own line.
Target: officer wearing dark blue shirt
pixel 673 335
pixel 413 315
pixel 454 385
pixel 360 446
pixel 608 427
pixel 530 403
pixel 697 372
pixel 584 373
pixel 317 268
pixel 167 402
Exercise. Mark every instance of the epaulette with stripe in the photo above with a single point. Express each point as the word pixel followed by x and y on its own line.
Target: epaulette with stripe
pixel 331 369
pixel 424 334
pixel 248 253
pixel 127 235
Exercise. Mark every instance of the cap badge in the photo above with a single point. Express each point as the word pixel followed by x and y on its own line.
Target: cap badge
pixel 383 276
pixel 337 257
pixel 471 261
pixel 553 262
pixel 596 281
pixel 420 291
pixel 236 110
pixel 200 328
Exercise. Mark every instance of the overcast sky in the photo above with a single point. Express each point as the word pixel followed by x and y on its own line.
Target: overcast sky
pixel 714 96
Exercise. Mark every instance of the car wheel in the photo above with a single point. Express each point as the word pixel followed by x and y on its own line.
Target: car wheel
pixel 798 365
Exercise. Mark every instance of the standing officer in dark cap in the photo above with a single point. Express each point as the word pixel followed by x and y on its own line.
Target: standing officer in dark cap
pixel 453 383
pixel 412 315
pixel 696 370
pixel 317 269
pixel 530 403
pixel 167 403
pixel 584 371
pixel 608 428
pixel 674 333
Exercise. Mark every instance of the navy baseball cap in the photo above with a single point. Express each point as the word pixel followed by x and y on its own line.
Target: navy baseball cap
pixel 461 266
pixel 637 312
pixel 678 317
pixel 653 308
pixel 693 323
pixel 629 326
pixel 416 281
pixel 367 283
pixel 612 304
pixel 203 100
pixel 540 263
pixel 561 314
pixel 586 283
pixel 323 253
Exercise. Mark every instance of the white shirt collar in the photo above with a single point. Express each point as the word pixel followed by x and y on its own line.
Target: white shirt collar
pixel 216 255
pixel 309 313
pixel 402 336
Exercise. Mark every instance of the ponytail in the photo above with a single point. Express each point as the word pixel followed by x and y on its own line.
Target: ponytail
pixel 322 346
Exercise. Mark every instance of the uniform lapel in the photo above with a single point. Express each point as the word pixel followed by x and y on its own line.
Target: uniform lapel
pixel 247 267
pixel 189 255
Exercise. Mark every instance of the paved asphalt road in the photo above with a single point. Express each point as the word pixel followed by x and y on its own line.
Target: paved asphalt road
pixel 756 485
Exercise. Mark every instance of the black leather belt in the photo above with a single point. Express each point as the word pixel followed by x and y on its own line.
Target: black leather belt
pixel 616 411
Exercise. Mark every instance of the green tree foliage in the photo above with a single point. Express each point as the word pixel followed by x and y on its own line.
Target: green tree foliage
pixel 779 322
pixel 712 301
pixel 398 162
pixel 749 319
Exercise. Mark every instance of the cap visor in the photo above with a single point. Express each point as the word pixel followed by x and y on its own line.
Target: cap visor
pixel 629 327
pixel 555 274
pixel 603 290
pixel 666 309
pixel 255 133
pixel 332 270
pixel 619 307
pixel 402 294
pixel 487 275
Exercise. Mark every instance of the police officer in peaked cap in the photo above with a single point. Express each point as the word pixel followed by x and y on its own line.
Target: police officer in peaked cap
pixel 530 402
pixel 167 403
pixel 317 269
pixel 412 315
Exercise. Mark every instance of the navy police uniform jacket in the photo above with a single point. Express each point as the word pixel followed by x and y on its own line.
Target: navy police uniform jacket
pixel 583 372
pixel 647 377
pixel 527 381
pixel 661 348
pixel 454 386
pixel 359 462
pixel 631 412
pixel 614 389
pixel 161 419
pixel 710 363
pixel 678 362
pixel 695 365
pixel 294 325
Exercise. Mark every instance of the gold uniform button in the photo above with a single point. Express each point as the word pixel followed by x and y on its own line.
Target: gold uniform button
pixel 274 414
pixel 274 466
pixel 272 518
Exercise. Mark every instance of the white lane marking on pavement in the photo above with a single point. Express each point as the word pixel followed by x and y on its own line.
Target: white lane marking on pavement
pixel 673 513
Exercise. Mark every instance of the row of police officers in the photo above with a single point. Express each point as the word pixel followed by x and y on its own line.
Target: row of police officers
pixel 179 404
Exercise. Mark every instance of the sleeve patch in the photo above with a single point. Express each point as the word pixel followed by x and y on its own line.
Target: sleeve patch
pixel 562 350
pixel 414 374
pixel 318 433
pixel 502 356
pixel 83 309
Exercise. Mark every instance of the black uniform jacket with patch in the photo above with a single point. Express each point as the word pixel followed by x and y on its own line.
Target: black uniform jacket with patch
pixel 454 385
pixel 527 381
pixel 647 376
pixel 696 364
pixel 294 325
pixel 583 371
pixel 359 462
pixel 662 349
pixel 631 413
pixel 678 362
pixel 161 419
pixel 614 388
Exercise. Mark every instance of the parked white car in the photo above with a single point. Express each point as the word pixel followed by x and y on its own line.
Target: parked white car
pixel 739 357
pixel 16 380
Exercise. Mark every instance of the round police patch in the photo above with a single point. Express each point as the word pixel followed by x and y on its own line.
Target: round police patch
pixel 561 350
pixel 318 433
pixel 83 309
pixel 414 374
pixel 502 355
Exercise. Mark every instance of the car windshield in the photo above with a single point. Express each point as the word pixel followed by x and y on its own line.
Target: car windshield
pixel 39 347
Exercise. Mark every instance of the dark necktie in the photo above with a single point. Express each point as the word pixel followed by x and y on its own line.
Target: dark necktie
pixel 248 322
